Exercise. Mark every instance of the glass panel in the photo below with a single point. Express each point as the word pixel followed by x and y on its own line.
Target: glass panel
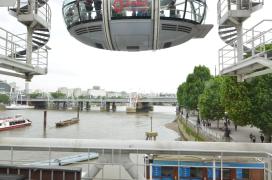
pixel 90 9
pixel 131 8
pixel 81 10
pixel 195 9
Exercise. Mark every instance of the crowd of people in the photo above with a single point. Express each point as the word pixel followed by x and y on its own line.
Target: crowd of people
pixel 252 138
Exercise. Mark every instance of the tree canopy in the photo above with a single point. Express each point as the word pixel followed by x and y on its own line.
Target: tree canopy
pixel 4 99
pixel 189 92
pixel 210 104
pixel 58 95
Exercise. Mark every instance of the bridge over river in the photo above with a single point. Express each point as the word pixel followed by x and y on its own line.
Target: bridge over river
pixel 106 104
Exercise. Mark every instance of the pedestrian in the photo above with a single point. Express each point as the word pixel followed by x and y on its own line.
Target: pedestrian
pixel 250 136
pixel 262 138
pixel 253 139
pixel 172 8
pixel 98 7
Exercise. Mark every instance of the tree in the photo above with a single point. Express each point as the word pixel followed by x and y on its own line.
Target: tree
pixel 181 94
pixel 261 100
pixel 235 98
pixel 210 104
pixel 4 99
pixel 195 84
pixel 58 95
pixel 35 95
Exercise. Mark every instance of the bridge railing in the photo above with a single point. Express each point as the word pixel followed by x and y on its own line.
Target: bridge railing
pixel 140 155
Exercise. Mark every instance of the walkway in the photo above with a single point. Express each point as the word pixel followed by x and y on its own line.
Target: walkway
pixel 241 135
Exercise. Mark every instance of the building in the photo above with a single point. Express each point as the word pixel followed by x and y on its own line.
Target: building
pixel 64 90
pixel 5 88
pixel 96 92
pixel 77 92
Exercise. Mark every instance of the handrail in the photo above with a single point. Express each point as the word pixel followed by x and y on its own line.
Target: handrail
pixel 43 10
pixel 223 6
pixel 10 48
pixel 255 40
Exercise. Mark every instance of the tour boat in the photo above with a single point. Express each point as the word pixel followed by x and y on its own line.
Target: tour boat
pixel 18 107
pixel 13 122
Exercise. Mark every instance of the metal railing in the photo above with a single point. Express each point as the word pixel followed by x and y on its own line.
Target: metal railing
pixel 42 10
pixel 14 47
pixel 223 6
pixel 176 154
pixel 255 43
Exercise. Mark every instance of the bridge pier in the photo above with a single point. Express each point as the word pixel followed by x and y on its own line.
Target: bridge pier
pixel 65 105
pixel 108 106
pixel 143 107
pixel 88 106
pixel 113 107
pixel 81 105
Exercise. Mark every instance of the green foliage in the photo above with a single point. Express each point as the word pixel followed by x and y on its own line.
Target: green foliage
pixel 181 94
pixel 191 132
pixel 210 104
pixel 195 85
pixel 261 99
pixel 35 95
pixel 262 48
pixel 4 99
pixel 58 95
pixel 235 97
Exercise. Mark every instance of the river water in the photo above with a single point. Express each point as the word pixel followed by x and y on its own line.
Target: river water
pixel 95 124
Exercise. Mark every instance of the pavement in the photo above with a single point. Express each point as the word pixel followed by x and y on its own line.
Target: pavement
pixel 241 135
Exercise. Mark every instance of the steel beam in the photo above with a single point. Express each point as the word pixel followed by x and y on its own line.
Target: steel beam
pixel 136 146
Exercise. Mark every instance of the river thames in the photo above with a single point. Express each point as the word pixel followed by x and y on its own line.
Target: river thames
pixel 95 124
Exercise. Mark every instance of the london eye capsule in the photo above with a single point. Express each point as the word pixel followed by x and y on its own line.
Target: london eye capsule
pixel 135 25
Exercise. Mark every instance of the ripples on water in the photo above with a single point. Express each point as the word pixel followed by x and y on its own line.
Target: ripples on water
pixel 95 124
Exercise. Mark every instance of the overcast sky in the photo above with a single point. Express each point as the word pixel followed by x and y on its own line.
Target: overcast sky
pixel 75 65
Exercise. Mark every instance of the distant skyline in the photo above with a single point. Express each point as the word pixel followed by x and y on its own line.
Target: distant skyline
pixel 75 65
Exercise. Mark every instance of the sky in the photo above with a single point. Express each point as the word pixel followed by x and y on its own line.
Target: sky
pixel 75 65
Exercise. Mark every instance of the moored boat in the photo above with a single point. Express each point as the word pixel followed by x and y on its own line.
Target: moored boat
pixel 13 122
pixel 18 107
pixel 67 122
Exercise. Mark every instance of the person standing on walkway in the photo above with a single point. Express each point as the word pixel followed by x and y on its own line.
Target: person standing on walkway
pixel 251 136
pixel 253 139
pixel 262 138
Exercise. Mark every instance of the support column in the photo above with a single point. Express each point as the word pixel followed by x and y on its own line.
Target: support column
pixel 113 107
pixel 108 106
pixel 240 47
pixel 29 45
pixel 269 167
pixel 81 105
pixel 88 106
pixel 214 170
pixel 65 105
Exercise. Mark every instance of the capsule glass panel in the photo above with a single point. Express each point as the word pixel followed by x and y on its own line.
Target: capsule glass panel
pixel 190 10
pixel 131 9
pixel 81 10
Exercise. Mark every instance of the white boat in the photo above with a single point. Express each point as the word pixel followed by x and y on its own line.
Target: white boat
pixel 18 121
pixel 66 160
pixel 18 107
